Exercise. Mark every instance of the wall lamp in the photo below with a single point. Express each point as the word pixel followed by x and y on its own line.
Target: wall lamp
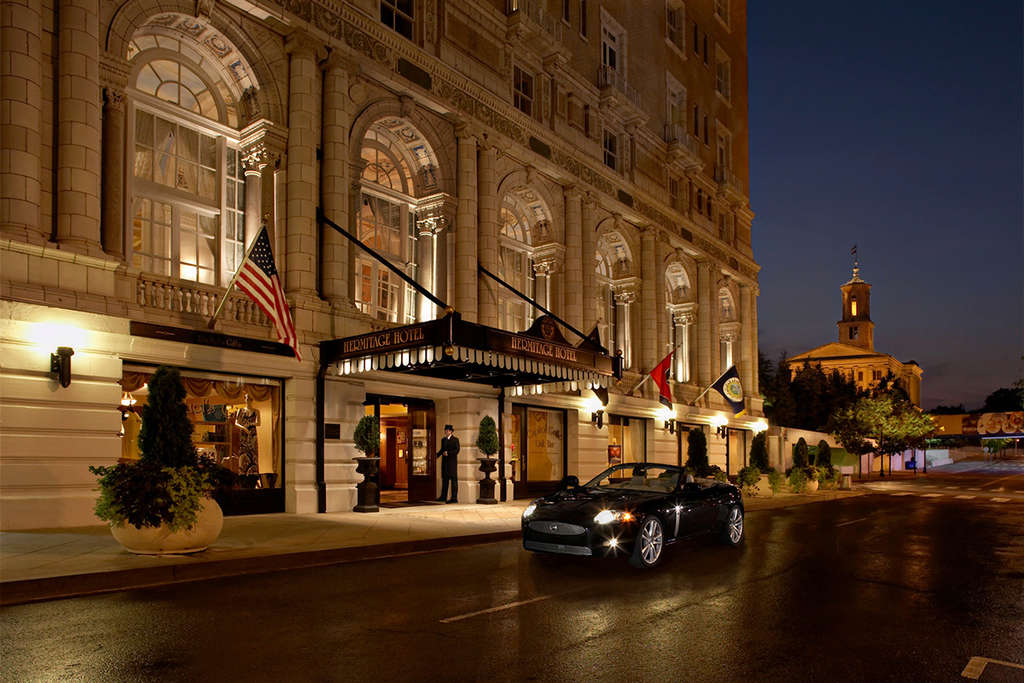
pixel 721 426
pixel 60 365
pixel 597 418
pixel 670 425
pixel 722 431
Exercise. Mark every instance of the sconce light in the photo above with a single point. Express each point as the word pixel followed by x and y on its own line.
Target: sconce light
pixel 670 425
pixel 721 426
pixel 60 365
pixel 722 431
pixel 597 418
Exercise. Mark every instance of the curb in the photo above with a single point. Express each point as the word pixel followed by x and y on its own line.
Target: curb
pixel 76 585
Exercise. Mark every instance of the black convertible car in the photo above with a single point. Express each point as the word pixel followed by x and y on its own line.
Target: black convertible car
pixel 633 509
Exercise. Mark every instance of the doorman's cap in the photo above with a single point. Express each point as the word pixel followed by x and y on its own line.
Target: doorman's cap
pixel 449 428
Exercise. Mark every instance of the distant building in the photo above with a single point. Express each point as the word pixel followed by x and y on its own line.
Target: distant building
pixel 854 355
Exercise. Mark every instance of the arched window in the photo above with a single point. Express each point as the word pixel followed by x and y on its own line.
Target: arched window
pixel 728 329
pixel 187 181
pixel 680 318
pixel 398 168
pixel 515 266
pixel 605 302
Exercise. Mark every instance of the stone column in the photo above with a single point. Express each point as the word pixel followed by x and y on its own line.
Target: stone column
pixel 20 120
pixel 649 301
pixel 623 324
pixel 78 127
pixel 300 232
pixel 683 321
pixel 746 360
pixel 706 373
pixel 426 257
pixel 487 206
pixel 254 159
pixel 588 225
pixel 466 227
pixel 574 292
pixel 334 254
pixel 542 271
pixel 113 172
pixel 755 383
pixel 661 303
pixel 355 206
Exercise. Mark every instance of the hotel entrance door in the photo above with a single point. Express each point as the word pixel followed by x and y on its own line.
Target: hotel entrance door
pixel 407 462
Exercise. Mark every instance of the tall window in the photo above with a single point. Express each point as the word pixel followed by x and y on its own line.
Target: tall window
pixel 609 48
pixel 611 150
pixel 565 10
pixel 398 16
pixel 723 75
pixel 722 10
pixel 583 18
pixel 188 184
pixel 675 20
pixel 515 266
pixel 523 91
pixel 605 303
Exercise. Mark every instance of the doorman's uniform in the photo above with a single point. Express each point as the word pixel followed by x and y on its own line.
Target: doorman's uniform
pixel 449 467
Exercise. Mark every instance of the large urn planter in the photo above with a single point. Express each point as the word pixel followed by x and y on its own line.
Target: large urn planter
pixel 812 486
pixel 368 490
pixel 160 540
pixel 487 465
pixel 763 486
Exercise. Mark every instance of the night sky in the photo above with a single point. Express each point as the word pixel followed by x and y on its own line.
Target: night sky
pixel 895 126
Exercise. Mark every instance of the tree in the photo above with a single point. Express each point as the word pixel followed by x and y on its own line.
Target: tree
pixel 367 435
pixel 824 458
pixel 1004 400
pixel 759 452
pixel 958 409
pixel 891 421
pixel 800 453
pixel 166 435
pixel 697 451
pixel 487 440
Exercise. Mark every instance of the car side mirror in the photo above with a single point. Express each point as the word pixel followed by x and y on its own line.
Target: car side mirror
pixel 570 481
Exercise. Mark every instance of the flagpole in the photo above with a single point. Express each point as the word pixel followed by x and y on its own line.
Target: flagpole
pixel 227 290
pixel 694 402
pixel 646 377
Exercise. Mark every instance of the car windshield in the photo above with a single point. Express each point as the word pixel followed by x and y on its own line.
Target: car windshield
pixel 637 477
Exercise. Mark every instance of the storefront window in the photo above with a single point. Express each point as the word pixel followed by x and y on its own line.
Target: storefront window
pixel 627 439
pixel 535 444
pixel 236 422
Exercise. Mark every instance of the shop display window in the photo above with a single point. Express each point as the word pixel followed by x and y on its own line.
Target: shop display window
pixel 627 439
pixel 236 422
pixel 535 444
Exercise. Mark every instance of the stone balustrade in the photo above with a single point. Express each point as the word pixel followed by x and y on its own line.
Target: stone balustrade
pixel 201 300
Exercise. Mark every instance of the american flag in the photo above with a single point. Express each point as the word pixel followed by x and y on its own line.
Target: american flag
pixel 258 278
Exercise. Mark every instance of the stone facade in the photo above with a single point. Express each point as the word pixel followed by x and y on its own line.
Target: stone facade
pixel 599 163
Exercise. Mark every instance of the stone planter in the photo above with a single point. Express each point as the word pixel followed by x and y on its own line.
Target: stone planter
pixel 368 489
pixel 763 487
pixel 487 465
pixel 160 540
pixel 812 486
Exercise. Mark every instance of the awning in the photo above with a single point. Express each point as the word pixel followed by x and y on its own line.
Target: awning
pixel 452 348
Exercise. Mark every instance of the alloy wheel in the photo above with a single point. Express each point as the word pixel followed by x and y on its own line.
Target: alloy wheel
pixel 651 540
pixel 735 525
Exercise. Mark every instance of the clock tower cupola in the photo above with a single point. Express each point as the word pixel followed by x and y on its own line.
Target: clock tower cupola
pixel 855 327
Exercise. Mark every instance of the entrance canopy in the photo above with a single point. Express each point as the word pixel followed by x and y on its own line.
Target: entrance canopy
pixel 452 348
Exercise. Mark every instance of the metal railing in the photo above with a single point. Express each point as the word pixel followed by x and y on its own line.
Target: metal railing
pixel 727 178
pixel 676 134
pixel 608 77
pixel 534 11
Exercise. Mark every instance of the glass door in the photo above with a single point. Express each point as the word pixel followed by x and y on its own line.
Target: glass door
pixel 422 465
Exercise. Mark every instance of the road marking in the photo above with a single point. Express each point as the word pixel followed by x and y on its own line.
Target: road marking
pixel 956 488
pixel 931 495
pixel 976 666
pixel 1000 500
pixel 852 521
pixel 966 497
pixel 905 493
pixel 974 489
pixel 499 608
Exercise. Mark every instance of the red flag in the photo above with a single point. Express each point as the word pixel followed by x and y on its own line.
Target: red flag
pixel 660 376
pixel 258 278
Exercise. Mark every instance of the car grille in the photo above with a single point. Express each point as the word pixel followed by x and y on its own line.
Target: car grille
pixel 557 528
pixel 557 548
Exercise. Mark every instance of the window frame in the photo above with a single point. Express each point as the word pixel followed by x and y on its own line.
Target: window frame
pixel 610 153
pixel 522 75
pixel 392 5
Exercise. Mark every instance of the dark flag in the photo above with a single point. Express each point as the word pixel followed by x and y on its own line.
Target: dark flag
pixel 660 376
pixel 729 386
pixel 258 278
pixel 853 252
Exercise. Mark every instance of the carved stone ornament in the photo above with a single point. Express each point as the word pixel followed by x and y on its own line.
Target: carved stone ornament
pixel 114 99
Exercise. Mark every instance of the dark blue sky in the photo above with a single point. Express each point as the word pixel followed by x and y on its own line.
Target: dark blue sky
pixel 895 126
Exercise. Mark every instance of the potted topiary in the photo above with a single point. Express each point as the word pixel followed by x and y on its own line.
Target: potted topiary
pixel 697 452
pixel 487 442
pixel 759 459
pixel 162 503
pixel 748 478
pixel 367 440
pixel 798 480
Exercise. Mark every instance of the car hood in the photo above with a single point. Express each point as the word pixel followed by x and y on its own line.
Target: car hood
pixel 581 505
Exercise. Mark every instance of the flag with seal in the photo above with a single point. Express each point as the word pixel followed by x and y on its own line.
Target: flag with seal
pixel 731 389
pixel 660 376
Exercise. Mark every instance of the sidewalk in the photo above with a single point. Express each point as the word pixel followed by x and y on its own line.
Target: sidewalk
pixel 44 564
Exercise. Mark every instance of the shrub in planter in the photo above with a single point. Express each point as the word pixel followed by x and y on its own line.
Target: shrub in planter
pixel 367 435
pixel 800 453
pixel 776 480
pixel 487 440
pixel 697 451
pixel 748 478
pixel 798 480
pixel 716 472
pixel 169 482
pixel 759 452
pixel 824 458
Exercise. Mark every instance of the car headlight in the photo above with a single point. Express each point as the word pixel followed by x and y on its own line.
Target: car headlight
pixel 609 516
pixel 529 510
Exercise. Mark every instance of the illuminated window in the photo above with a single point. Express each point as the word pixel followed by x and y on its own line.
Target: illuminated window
pixel 853 306
pixel 515 266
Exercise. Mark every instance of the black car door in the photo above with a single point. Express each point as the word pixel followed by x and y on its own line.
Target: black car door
pixel 696 509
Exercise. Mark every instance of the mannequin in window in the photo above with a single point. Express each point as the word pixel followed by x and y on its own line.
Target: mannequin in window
pixel 248 418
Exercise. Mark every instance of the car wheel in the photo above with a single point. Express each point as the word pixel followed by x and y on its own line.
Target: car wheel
pixel 649 544
pixel 732 531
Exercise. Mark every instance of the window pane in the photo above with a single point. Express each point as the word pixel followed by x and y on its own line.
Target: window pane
pixel 207 184
pixel 143 163
pixel 186 179
pixel 144 128
pixel 188 144
pixel 208 151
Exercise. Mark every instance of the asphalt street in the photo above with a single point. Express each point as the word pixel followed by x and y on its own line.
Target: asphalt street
pixel 874 588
